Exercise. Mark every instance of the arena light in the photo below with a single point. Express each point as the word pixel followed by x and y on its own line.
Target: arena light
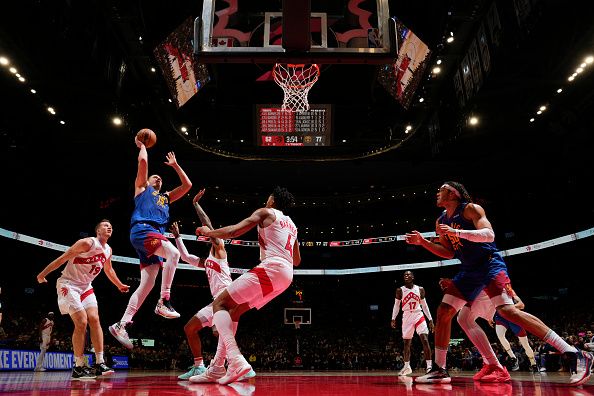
pixel 4 61
pixel 539 112
pixel 17 75
pixel 436 70
pixel 473 120
pixel 450 39
pixel 13 70
pixel 421 100
pixel 589 59
pixel 408 127
pixel 570 78
pixel 62 122
pixel 560 90
pixel 542 108
pixel 33 91
pixel 532 120
pixel 579 70
pixel 22 79
pixel 116 121
pixel 153 69
pixel 438 62
pixel 583 64
pixel 184 129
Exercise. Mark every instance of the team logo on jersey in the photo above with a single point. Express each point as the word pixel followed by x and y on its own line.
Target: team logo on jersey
pixel 213 265
pixel 98 258
pixel 410 296
pixel 64 291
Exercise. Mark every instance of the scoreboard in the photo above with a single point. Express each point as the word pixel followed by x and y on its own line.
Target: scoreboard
pixel 278 127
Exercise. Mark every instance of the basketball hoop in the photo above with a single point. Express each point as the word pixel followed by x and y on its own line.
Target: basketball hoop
pixel 297 324
pixel 296 80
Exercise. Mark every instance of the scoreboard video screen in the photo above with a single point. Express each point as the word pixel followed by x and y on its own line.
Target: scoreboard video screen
pixel 285 128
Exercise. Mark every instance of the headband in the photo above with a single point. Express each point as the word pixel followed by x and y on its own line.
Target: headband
pixel 452 189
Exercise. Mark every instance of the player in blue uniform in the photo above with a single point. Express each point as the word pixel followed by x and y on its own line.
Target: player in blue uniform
pixel 480 285
pixel 148 223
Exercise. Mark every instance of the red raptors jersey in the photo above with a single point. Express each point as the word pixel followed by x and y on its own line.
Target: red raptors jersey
pixel 411 299
pixel 276 240
pixel 86 266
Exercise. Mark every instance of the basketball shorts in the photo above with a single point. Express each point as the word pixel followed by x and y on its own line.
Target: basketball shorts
pixel 262 283
pixel 467 285
pixel 413 321
pixel 146 239
pixel 205 315
pixel 519 331
pixel 73 297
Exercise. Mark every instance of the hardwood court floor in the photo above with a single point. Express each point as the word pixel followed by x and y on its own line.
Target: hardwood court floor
pixel 148 383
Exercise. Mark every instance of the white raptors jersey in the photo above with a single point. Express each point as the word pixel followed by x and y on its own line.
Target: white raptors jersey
pixel 219 276
pixel 277 240
pixel 86 266
pixel 411 299
pixel 46 327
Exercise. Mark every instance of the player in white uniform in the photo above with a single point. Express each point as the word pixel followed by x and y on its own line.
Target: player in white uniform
pixel 45 333
pixel 85 259
pixel 412 298
pixel 219 277
pixel 279 252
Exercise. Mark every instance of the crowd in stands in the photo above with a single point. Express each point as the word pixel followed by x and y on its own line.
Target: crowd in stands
pixel 280 347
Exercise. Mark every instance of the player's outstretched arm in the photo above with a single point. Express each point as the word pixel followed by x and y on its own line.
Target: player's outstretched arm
pixel 141 180
pixel 111 274
pixel 80 246
pixel 441 249
pixel 238 229
pixel 183 251
pixel 219 246
pixel 186 184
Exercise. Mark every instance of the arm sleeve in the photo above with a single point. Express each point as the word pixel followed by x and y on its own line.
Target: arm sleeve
pixel 482 235
pixel 396 308
pixel 185 256
pixel 426 309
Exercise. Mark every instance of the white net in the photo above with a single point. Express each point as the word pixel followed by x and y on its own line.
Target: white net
pixel 296 81
pixel 297 324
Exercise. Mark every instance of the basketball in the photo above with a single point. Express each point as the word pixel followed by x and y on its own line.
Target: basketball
pixel 147 137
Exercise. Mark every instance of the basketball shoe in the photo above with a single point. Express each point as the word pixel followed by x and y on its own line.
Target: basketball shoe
pixel 118 330
pixel 194 370
pixel 437 375
pixel 237 368
pixel 165 309
pixel 211 375
pixel 83 373
pixel 102 369
pixel 580 373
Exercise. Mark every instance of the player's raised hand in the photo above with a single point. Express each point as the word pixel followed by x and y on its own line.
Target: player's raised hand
pixel 41 279
pixel 138 143
pixel 174 229
pixel 199 195
pixel 444 283
pixel 171 161
pixel 413 238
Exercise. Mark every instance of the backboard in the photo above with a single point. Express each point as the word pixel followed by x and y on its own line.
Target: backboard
pixel 295 31
pixel 300 315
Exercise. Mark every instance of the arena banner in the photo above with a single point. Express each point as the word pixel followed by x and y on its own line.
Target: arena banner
pixel 120 362
pixel 14 359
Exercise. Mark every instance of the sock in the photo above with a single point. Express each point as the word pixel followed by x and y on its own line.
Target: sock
pixel 224 324
pixel 406 364
pixel 99 357
pixel 147 280
pixel 198 362
pixel 40 358
pixel 440 357
pixel 79 361
pixel 557 342
pixel 169 266
pixel 220 355
pixel 429 363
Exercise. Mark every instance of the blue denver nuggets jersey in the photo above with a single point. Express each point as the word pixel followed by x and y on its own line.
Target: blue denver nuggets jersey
pixel 151 207
pixel 474 256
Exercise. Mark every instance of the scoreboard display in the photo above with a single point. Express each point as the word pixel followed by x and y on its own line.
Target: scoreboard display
pixel 278 127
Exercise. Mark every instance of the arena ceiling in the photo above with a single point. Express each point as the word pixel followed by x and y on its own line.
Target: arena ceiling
pixel 86 59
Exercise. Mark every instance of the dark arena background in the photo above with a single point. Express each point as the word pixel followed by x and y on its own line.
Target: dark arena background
pixel 494 94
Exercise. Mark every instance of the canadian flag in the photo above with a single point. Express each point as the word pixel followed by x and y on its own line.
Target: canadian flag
pixel 222 42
